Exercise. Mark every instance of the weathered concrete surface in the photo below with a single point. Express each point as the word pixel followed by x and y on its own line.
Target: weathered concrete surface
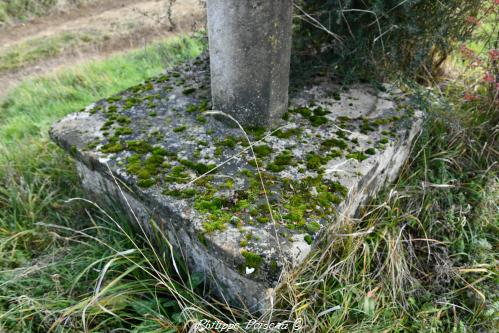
pixel 250 52
pixel 337 149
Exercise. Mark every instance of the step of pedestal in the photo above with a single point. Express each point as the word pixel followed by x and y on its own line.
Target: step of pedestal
pixel 149 147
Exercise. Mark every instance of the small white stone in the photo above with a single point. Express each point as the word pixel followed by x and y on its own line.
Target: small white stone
pixel 249 270
pixel 313 191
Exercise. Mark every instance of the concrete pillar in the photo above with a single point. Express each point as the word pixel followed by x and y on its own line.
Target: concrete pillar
pixel 250 51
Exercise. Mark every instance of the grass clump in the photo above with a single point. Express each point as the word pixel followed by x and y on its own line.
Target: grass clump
pixel 407 250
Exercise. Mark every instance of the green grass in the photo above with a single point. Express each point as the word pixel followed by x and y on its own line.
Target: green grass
pixel 14 11
pixel 35 50
pixel 422 258
pixel 483 39
pixel 48 268
pixel 31 107
pixel 425 254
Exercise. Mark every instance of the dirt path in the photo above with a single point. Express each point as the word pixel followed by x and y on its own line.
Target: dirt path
pixel 122 24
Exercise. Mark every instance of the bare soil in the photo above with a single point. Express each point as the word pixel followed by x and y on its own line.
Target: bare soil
pixel 124 25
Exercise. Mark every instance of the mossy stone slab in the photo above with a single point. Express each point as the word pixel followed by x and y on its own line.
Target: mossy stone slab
pixel 157 150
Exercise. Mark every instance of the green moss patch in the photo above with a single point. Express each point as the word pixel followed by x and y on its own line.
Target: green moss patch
pixel 315 161
pixel 191 108
pixel 181 194
pixel 123 131
pixel 338 143
pixel 145 183
pixel 251 259
pixel 359 156
pixel 309 239
pixel 189 90
pixel 286 134
pixel 313 227
pixel 229 142
pixel 179 129
pixel 112 147
pixel 281 161
pixel 262 150
pixel 200 168
pixel 316 116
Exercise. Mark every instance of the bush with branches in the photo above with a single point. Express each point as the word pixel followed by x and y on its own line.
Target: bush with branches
pixel 369 39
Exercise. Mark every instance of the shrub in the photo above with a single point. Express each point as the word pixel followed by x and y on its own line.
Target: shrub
pixel 380 37
pixel 479 59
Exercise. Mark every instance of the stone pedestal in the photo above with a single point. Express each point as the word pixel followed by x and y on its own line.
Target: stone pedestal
pixel 250 50
pixel 337 150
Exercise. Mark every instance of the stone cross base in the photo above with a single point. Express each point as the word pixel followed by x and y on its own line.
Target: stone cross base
pixel 337 150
